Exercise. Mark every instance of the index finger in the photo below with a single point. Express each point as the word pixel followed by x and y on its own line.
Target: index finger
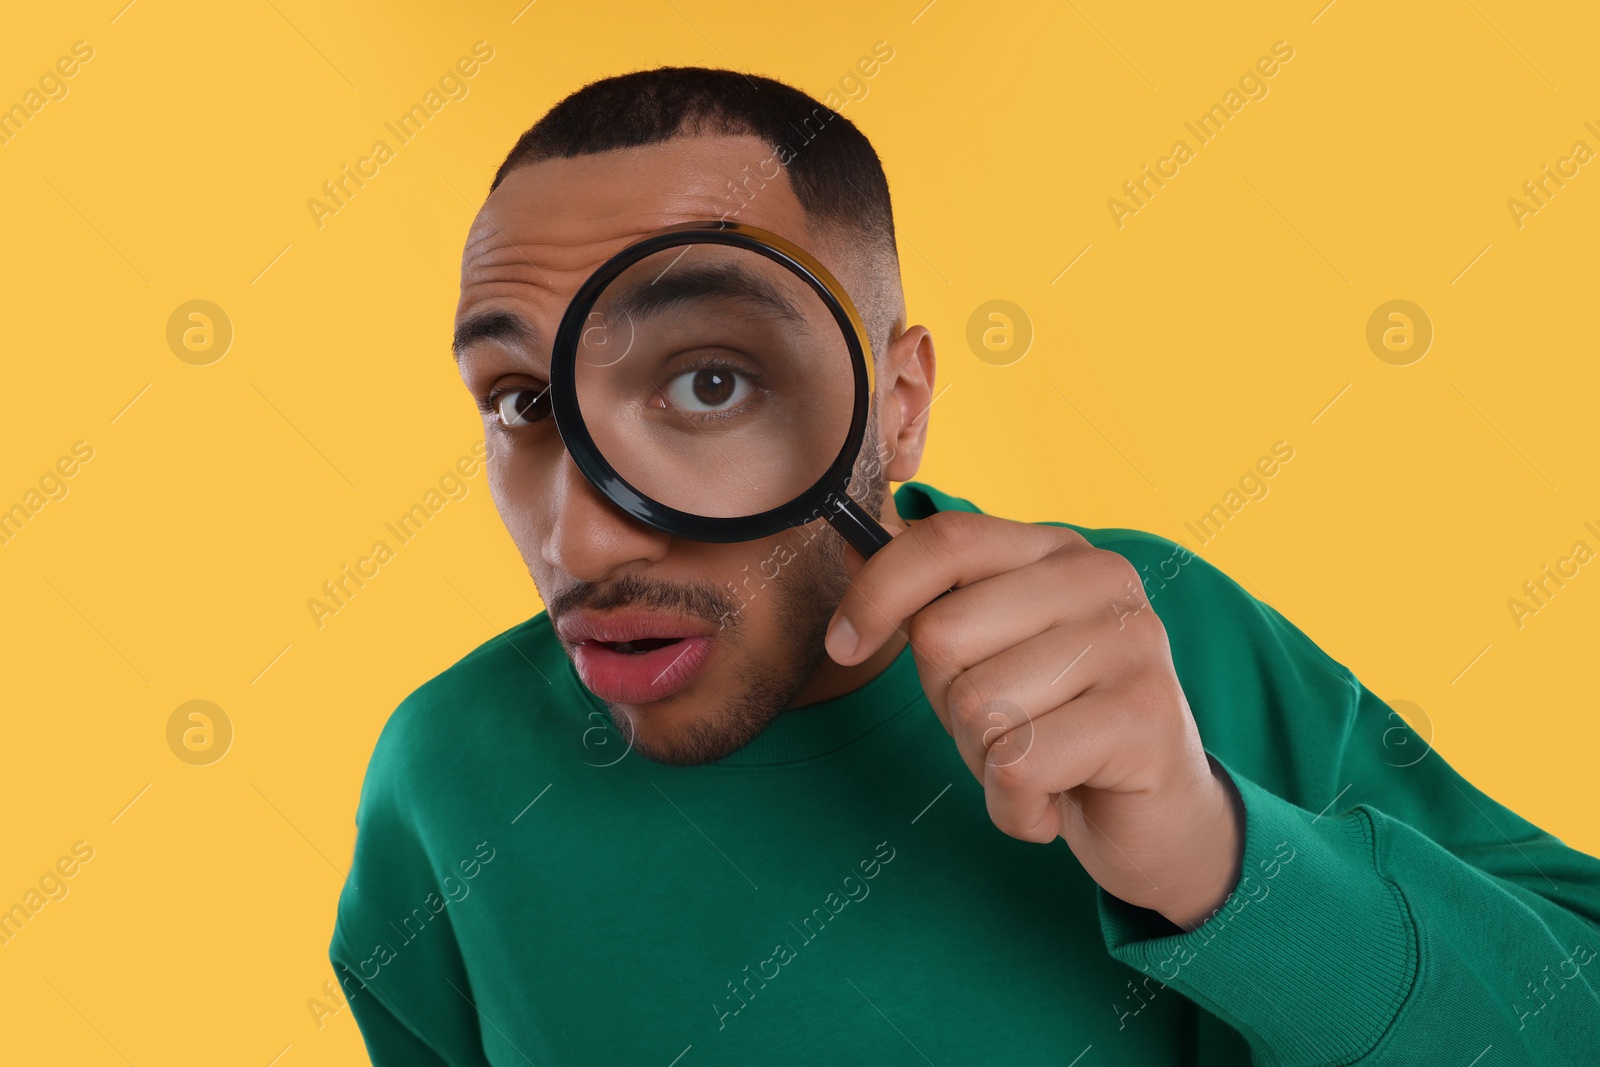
pixel 946 549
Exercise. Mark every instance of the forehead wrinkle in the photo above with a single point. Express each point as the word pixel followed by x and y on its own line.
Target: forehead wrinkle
pixel 551 224
pixel 517 269
pixel 562 240
pixel 509 244
pixel 560 268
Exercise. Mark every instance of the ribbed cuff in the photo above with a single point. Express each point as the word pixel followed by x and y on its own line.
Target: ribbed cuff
pixel 1311 956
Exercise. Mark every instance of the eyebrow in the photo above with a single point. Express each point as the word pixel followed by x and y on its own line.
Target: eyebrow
pixel 703 281
pixel 504 326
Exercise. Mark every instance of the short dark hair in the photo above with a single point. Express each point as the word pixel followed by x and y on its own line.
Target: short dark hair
pixel 834 172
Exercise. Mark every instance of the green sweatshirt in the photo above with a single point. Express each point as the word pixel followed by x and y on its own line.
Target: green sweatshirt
pixel 525 890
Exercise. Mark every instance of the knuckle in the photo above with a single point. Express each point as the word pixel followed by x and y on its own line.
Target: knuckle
pixel 965 700
pixel 933 633
pixel 1067 535
pixel 954 532
pixel 1132 619
pixel 1010 775
pixel 1150 652
pixel 1115 569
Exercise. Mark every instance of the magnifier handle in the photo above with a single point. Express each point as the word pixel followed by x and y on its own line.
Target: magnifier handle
pixel 864 533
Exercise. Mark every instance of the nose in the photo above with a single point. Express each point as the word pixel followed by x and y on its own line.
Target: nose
pixel 591 538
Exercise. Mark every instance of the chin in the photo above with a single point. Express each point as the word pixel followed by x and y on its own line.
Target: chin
pixel 692 728
pixel 674 746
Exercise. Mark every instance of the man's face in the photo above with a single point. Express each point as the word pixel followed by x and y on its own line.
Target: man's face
pixel 693 647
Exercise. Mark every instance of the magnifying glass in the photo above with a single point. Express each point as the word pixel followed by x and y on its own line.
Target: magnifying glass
pixel 713 381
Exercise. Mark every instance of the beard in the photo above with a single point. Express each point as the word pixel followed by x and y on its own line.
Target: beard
pixel 806 589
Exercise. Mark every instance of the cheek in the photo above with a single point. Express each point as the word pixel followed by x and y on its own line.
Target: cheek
pixel 803 584
pixel 519 487
pixel 747 575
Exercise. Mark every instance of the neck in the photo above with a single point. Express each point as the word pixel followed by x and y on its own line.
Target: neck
pixel 829 680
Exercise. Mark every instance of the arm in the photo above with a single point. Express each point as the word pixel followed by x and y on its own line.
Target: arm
pixel 1387 911
pixel 390 1042
pixel 1195 758
pixel 394 948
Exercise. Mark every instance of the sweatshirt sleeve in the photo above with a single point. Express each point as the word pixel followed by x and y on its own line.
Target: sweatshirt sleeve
pixel 394 949
pixel 1387 912
pixel 390 1042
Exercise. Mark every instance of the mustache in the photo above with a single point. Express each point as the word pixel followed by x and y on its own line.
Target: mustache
pixel 694 599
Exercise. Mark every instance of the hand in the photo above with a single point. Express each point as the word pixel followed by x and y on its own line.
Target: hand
pixel 1050 670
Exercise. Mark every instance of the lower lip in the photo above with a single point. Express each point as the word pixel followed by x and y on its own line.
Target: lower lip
pixel 640 677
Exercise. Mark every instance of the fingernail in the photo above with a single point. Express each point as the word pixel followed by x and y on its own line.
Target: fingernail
pixel 842 640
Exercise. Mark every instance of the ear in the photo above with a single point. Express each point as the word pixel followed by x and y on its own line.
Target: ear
pixel 906 393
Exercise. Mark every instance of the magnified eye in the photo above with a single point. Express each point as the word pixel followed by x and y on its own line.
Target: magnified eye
pixel 708 389
pixel 521 407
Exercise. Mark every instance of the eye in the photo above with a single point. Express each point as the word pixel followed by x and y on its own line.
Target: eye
pixel 709 389
pixel 521 407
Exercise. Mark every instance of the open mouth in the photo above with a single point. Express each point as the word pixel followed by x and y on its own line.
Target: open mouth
pixel 636 657
pixel 641 645
pixel 643 669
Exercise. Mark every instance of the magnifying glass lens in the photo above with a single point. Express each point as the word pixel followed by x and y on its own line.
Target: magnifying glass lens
pixel 714 380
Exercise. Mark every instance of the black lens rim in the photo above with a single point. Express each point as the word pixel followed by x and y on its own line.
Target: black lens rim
pixel 813 503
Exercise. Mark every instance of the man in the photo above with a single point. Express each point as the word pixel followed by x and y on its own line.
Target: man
pixel 1097 804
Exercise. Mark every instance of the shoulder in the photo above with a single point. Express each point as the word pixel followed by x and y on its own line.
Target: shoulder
pixel 1268 700
pixel 1239 658
pixel 442 759
pixel 445 730
pixel 1208 611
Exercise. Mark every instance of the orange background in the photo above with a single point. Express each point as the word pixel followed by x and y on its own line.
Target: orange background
pixel 1168 354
